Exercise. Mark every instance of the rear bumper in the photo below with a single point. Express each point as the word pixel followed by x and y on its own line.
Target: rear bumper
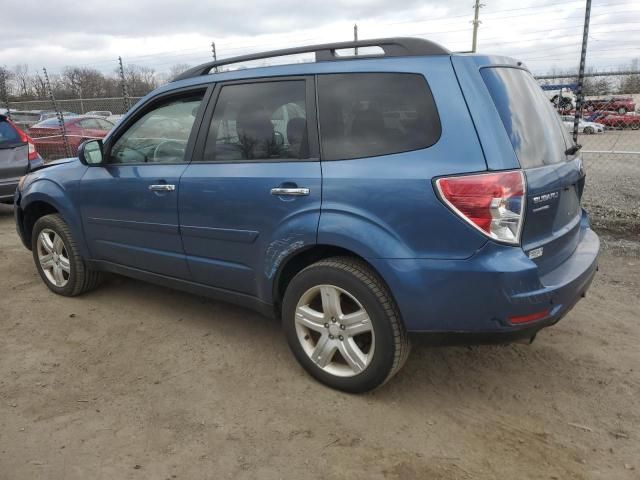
pixel 480 294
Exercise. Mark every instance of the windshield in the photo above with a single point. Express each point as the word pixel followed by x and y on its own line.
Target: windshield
pixel 534 127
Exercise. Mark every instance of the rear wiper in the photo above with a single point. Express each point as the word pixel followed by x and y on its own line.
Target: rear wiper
pixel 573 150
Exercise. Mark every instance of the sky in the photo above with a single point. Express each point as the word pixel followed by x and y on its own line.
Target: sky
pixel 545 34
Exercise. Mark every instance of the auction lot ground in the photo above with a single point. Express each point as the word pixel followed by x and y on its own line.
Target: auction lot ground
pixel 135 381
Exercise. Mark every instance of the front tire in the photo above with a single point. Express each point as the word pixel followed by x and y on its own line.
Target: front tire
pixel 343 326
pixel 589 130
pixel 58 260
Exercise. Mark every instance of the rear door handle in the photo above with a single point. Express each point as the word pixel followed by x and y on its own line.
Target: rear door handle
pixel 292 192
pixel 162 187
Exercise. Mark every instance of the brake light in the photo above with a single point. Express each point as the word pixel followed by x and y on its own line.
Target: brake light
pixel 33 153
pixel 491 202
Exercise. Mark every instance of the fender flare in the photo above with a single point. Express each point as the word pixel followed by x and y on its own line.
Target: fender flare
pixel 47 191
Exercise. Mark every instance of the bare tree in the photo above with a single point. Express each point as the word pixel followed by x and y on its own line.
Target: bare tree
pixel 39 85
pixel 23 83
pixel 177 69
pixel 631 83
pixel 140 80
pixel 7 77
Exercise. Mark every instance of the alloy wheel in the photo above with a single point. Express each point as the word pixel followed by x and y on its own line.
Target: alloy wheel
pixel 53 258
pixel 335 330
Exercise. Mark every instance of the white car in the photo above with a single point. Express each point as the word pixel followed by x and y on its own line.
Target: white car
pixel 583 126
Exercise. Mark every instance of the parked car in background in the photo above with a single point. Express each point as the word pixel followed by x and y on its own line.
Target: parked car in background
pixel 620 105
pixel 416 190
pixel 99 113
pixel 18 156
pixel 584 126
pixel 615 120
pixel 27 118
pixel 48 138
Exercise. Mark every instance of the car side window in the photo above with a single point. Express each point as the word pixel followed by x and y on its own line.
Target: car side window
pixel 104 125
pixel 370 114
pixel 90 124
pixel 259 121
pixel 160 135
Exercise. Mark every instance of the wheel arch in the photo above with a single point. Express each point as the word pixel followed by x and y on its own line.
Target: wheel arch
pixel 45 198
pixel 301 259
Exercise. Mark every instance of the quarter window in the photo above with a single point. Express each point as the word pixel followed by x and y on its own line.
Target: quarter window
pixel 259 121
pixel 370 114
pixel 89 124
pixel 160 135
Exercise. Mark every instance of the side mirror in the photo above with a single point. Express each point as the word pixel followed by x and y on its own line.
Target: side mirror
pixel 90 153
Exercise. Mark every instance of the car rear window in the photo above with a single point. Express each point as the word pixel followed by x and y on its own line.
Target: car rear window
pixel 534 127
pixel 371 114
pixel 8 134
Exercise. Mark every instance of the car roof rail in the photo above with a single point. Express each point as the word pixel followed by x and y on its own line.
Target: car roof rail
pixel 392 47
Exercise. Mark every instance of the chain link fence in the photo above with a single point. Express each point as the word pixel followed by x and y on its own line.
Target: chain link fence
pixel 58 127
pixel 609 128
pixel 609 132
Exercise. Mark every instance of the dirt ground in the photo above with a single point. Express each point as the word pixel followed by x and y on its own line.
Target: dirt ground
pixel 135 381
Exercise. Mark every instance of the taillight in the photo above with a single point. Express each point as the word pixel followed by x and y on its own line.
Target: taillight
pixel 491 202
pixel 33 153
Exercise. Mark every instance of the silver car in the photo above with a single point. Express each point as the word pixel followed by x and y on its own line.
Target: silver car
pixel 583 126
pixel 18 156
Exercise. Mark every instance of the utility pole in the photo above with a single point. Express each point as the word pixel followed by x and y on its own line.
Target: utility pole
pixel 125 90
pixel 355 36
pixel 215 55
pixel 476 23
pixel 583 56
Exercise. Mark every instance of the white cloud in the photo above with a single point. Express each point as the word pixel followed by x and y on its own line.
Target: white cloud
pixel 160 33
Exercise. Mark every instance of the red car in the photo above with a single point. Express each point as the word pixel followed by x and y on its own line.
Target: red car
pixel 620 105
pixel 613 120
pixel 48 137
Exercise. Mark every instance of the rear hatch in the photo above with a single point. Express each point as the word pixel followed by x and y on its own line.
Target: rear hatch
pixel 14 153
pixel 554 175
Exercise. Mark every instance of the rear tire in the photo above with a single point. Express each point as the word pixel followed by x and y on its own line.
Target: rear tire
pixel 343 326
pixel 622 110
pixel 58 260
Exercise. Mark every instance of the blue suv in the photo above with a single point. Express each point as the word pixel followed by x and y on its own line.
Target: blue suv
pixel 357 198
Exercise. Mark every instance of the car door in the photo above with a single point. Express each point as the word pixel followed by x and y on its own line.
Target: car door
pixel 130 205
pixel 251 195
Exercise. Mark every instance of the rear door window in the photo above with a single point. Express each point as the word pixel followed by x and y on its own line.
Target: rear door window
pixel 534 127
pixel 259 121
pixel 371 114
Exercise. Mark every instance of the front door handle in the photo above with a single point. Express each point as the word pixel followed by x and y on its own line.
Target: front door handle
pixel 292 192
pixel 162 187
